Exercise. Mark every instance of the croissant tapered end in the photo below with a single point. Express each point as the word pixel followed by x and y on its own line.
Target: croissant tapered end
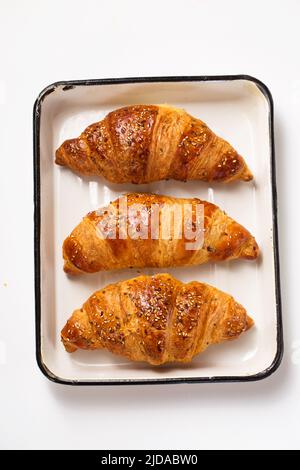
pixel 250 323
pixel 229 165
pixel 74 153
pixel 68 337
pixel 235 323
pixel 69 347
pixel 69 267
pixel 67 342
pixel 250 250
pixel 60 156
pixel 246 174
pixel 64 156
pixel 77 332
pixel 241 315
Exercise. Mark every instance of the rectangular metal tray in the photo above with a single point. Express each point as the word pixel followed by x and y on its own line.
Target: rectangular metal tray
pixel 238 108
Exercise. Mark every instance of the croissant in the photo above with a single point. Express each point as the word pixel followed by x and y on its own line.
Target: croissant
pixel 145 143
pixel 156 319
pixel 89 249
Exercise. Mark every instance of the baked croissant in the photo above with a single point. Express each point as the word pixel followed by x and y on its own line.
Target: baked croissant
pixel 87 250
pixel 145 143
pixel 156 319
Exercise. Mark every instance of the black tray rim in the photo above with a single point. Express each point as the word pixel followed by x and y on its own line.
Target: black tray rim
pixel 70 84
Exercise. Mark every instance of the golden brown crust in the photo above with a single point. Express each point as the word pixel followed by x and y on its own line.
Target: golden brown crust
pixel 156 319
pixel 145 143
pixel 85 251
pixel 131 131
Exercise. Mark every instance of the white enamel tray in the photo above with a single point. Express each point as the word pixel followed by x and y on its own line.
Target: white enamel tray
pixel 238 108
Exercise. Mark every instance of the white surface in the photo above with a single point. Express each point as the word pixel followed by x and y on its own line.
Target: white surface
pixel 42 42
pixel 239 112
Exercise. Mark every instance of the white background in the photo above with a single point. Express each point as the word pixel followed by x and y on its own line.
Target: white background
pixel 45 41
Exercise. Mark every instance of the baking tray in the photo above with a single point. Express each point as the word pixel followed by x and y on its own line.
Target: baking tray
pixel 238 108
